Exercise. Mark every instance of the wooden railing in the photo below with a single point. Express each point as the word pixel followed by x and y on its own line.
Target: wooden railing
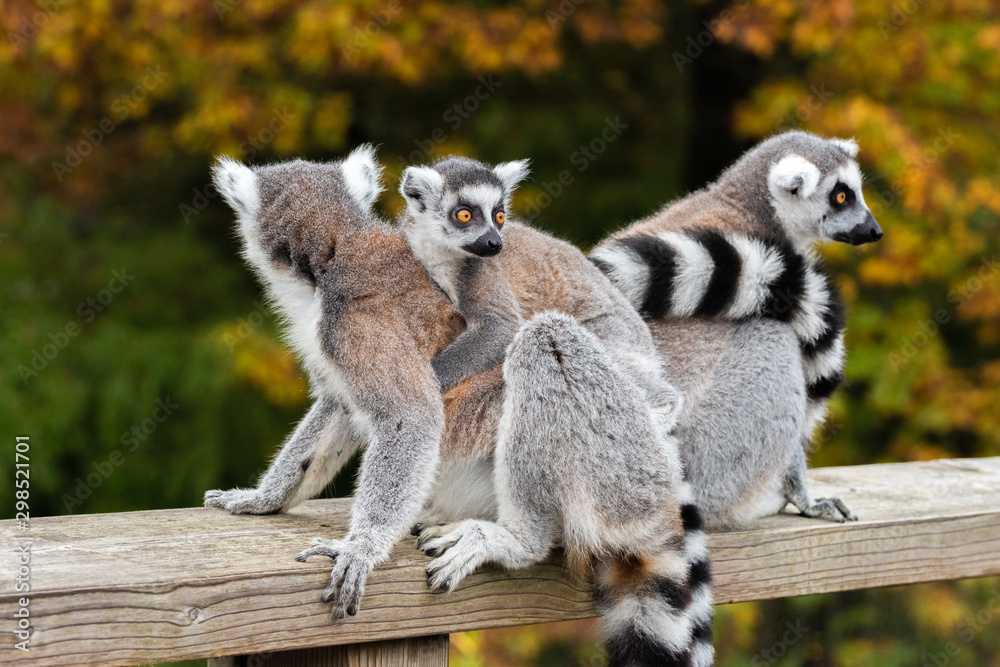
pixel 148 587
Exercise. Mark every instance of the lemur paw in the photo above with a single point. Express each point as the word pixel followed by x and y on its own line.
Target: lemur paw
pixel 830 508
pixel 349 574
pixel 241 501
pixel 459 549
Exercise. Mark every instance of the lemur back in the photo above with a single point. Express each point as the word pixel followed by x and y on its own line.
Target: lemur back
pixel 743 248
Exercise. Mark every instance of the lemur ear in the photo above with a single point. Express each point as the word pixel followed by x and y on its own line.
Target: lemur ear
pixel 795 175
pixel 237 184
pixel 849 146
pixel 511 173
pixel 420 185
pixel 363 174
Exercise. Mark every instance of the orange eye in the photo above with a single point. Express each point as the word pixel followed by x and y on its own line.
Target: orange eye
pixel 464 215
pixel 500 217
pixel 841 197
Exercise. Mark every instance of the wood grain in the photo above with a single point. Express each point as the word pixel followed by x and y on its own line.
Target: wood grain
pixel 148 587
pixel 412 652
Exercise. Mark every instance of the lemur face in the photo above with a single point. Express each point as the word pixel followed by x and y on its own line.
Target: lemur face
pixel 813 205
pixel 460 204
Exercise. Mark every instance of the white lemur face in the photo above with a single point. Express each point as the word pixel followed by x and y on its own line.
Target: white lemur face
pixel 813 205
pixel 460 204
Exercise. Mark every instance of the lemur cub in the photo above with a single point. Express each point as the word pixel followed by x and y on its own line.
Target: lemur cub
pixel 456 221
pixel 586 408
pixel 743 248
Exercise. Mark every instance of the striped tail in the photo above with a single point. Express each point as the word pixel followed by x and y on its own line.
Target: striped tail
pixel 703 273
pixel 656 608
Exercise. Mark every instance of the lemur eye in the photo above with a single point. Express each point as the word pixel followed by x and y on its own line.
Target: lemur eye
pixel 500 217
pixel 841 197
pixel 464 215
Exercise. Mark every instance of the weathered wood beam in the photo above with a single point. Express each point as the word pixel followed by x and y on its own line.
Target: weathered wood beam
pixel 148 587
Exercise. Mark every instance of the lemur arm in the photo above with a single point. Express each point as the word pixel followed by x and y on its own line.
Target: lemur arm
pixel 488 304
pixel 396 398
pixel 312 455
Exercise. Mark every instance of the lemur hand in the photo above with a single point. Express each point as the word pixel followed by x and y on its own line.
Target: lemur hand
pixel 347 580
pixel 242 501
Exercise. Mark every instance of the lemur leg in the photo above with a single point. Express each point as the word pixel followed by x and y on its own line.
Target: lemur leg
pixel 797 493
pixel 318 447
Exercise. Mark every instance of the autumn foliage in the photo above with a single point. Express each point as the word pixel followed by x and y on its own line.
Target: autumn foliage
pixel 113 110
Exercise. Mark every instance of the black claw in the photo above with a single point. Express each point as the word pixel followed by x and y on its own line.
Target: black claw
pixel 416 528
pixel 301 558
pixel 328 596
pixel 433 553
pixel 352 609
pixel 446 586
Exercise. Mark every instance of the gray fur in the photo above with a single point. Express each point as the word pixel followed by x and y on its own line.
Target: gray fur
pixel 583 441
pixel 319 446
pixel 581 461
pixel 743 439
pixel 330 266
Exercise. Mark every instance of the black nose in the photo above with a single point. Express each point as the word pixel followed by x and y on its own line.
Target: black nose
pixel 487 245
pixel 866 232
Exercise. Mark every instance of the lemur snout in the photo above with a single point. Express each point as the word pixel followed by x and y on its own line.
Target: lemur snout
pixel 867 232
pixel 487 245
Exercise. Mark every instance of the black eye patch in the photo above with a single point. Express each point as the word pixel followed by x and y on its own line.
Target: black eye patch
pixel 465 214
pixel 841 196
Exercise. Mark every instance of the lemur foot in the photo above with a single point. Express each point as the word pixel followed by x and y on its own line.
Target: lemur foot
pixel 427 520
pixel 349 574
pixel 241 501
pixel 457 549
pixel 829 508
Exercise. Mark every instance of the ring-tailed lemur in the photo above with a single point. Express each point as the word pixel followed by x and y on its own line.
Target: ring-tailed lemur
pixel 456 222
pixel 366 320
pixel 742 248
